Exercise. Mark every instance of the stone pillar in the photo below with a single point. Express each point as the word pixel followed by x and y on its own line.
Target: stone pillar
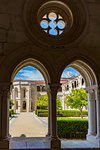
pixel 20 105
pixel 4 115
pixel 91 113
pixel 35 98
pixel 49 127
pixel 54 140
pixel 98 112
pixel 28 99
pixel 63 105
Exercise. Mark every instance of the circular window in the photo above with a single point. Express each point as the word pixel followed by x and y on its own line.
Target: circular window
pixel 53 23
pixel 55 20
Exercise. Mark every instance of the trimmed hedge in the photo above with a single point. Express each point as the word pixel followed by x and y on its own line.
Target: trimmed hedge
pixel 11 112
pixel 72 128
pixel 61 113
pixel 41 113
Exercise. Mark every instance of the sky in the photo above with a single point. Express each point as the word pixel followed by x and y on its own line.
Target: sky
pixel 31 73
pixel 52 25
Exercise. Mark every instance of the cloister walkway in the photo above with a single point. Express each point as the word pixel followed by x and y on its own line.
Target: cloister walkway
pixel 27 124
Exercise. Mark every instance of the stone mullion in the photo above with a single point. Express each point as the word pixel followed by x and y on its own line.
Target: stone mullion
pixel 49 127
pixel 54 141
pixel 98 111
pixel 0 114
pixel 4 101
pixel 91 112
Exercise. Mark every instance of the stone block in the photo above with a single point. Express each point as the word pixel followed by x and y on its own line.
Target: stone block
pixel 20 37
pixel 2 35
pixel 17 23
pixel 11 37
pixel 1 50
pixel 5 21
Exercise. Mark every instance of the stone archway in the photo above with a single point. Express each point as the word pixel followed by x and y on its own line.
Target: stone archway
pixel 35 63
pixel 5 94
pixel 93 99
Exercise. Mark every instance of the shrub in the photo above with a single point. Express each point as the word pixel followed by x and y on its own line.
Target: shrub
pixel 41 113
pixel 11 112
pixel 71 113
pixel 62 113
pixel 68 126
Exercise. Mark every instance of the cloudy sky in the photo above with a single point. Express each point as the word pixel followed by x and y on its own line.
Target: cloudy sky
pixel 31 73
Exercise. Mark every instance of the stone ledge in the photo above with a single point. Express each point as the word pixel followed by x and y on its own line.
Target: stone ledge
pixel 93 139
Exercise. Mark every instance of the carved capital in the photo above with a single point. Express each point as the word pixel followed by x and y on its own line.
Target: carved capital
pixel 5 87
pixel 52 88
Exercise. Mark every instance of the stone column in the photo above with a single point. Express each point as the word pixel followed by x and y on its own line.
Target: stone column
pixel 4 115
pixel 54 140
pixel 20 105
pixel 98 112
pixel 49 127
pixel 35 98
pixel 30 98
pixel 63 106
pixel 91 113
pixel 63 97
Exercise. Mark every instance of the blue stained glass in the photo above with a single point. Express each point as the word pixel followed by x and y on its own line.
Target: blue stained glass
pixel 60 25
pixel 53 32
pixel 44 25
pixel 52 18
pixel 52 25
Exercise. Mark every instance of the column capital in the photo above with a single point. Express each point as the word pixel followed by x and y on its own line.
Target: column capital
pixel 5 87
pixel 53 87
pixel 91 89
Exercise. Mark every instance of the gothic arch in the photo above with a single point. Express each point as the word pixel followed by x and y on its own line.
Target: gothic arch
pixel 84 69
pixel 35 63
pixel 91 88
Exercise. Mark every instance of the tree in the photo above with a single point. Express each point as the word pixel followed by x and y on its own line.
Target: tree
pixel 77 99
pixel 42 102
pixel 58 104
pixel 11 103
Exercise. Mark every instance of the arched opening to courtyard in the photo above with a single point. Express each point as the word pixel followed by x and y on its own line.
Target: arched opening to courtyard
pixel 28 90
pixel 85 79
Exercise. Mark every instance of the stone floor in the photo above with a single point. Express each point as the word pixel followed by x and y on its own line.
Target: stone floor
pixel 28 125
pixel 28 131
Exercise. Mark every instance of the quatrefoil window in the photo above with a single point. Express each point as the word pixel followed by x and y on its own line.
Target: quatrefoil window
pixel 53 23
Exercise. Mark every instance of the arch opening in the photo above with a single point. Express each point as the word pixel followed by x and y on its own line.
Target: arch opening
pixel 34 63
pixel 85 81
pixel 27 92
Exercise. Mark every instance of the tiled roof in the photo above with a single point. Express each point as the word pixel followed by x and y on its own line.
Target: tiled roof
pixel 38 81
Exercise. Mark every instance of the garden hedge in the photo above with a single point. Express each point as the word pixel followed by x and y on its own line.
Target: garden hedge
pixel 72 128
pixel 62 113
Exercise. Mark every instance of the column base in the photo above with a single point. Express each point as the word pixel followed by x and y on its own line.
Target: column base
pixel 94 139
pixel 55 143
pixel 48 136
pixel 4 144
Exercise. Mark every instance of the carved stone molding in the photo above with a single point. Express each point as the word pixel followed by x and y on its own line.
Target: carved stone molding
pixel 5 88
pixel 52 88
pixel 91 88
